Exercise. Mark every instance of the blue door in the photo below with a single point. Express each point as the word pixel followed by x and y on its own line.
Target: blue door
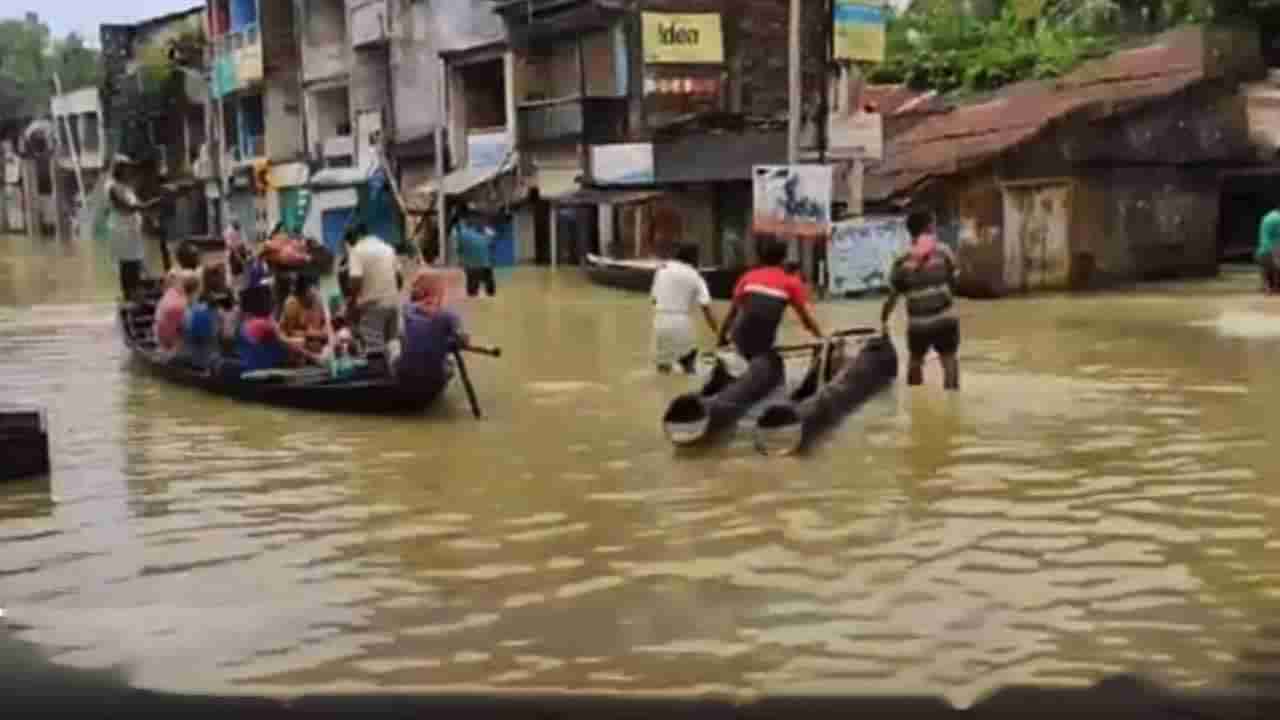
pixel 504 245
pixel 333 223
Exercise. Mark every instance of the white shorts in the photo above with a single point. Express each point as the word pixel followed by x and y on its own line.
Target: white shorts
pixel 673 337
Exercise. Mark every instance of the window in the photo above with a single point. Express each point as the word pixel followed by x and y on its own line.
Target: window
pixel 485 95
pixel 552 72
pixel 674 90
pixel 252 127
pixel 89 132
pixel 556 71
pixel 326 22
pixel 605 73
pixel 332 112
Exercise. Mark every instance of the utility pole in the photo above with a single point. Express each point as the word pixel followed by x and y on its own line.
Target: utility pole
pixel 442 221
pixel 794 105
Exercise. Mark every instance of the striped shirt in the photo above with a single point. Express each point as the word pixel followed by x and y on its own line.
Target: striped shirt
pixel 925 284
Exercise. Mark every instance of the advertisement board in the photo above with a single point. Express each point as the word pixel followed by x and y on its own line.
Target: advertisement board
pixel 685 38
pixel 862 250
pixel 792 200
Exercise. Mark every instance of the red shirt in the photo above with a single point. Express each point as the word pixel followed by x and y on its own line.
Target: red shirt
pixel 774 281
pixel 762 296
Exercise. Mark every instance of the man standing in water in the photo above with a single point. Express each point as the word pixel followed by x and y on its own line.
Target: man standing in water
pixel 474 243
pixel 760 300
pixel 678 287
pixel 1268 234
pixel 926 275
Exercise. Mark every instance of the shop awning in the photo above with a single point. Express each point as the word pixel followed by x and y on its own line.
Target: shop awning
pixel 605 196
pixel 463 180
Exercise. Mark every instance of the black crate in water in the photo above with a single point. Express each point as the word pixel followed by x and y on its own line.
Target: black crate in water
pixel 24 443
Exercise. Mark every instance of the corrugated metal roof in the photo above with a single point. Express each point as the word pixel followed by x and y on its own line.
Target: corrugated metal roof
pixel 970 135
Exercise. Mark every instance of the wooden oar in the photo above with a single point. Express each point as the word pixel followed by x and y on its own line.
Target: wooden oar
pixel 816 344
pixel 494 352
pixel 466 384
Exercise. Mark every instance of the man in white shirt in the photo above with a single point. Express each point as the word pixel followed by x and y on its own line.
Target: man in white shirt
pixel 373 298
pixel 678 288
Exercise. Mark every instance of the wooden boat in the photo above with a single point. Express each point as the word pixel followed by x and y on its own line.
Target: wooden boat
pixel 365 392
pixel 814 407
pixel 637 275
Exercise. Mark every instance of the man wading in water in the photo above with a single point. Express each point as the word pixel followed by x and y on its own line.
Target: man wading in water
pixel 926 275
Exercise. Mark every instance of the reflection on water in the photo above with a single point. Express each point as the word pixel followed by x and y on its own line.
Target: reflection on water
pixel 1096 500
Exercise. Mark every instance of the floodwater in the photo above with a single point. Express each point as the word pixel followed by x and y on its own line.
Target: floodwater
pixel 1100 498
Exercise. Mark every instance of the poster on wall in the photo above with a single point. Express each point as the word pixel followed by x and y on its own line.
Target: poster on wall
pixel 792 200
pixel 862 250
pixel 685 39
pixel 622 164
pixel 488 150
pixel 859 30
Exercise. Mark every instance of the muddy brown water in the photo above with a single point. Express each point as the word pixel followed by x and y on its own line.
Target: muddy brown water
pixel 1102 497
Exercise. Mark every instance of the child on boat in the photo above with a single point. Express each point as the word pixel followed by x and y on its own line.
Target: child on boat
pixel 171 312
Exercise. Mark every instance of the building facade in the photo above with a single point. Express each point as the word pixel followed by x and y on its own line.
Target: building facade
pixel 639 121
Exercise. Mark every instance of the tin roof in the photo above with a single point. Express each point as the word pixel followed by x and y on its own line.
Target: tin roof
pixel 972 134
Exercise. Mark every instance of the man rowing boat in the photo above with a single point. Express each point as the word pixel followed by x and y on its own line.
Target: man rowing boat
pixel 760 300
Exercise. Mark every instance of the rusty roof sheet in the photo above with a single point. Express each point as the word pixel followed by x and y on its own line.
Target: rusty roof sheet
pixel 972 134
pixel 898 99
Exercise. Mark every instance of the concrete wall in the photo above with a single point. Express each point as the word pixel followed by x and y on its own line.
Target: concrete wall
pixel 324 39
pixel 282 96
pixel 415 73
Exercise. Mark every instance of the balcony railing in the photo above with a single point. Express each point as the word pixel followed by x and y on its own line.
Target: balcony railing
pixel 585 119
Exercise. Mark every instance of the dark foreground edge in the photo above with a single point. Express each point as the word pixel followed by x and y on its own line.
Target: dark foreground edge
pixel 33 687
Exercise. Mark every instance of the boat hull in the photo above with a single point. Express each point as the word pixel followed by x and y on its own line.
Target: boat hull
pixel 637 278
pixel 695 418
pixel 794 426
pixel 365 396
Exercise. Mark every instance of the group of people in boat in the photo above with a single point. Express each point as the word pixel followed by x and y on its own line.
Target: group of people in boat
pixel 925 275
pixel 262 310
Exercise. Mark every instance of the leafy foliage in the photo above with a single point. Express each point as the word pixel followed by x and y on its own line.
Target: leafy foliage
pixel 980 45
pixel 29 59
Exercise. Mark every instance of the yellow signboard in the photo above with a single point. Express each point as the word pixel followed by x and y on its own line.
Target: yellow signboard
pixel 859 31
pixel 684 39
pixel 1028 9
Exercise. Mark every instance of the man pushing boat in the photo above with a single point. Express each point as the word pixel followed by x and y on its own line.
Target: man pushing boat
pixel 761 299
pixel 926 274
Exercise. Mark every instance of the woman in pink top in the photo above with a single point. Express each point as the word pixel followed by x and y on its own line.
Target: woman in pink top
pixel 171 310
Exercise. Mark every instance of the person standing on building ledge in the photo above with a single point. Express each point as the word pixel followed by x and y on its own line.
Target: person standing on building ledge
pixel 678 287
pixel 1268 234
pixel 926 274
pixel 474 243
pixel 760 300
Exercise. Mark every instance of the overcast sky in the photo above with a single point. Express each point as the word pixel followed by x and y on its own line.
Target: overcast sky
pixel 84 16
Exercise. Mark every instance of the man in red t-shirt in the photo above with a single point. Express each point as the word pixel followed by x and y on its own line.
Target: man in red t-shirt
pixel 760 300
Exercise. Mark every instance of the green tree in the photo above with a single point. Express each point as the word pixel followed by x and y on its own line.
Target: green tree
pixel 29 57
pixel 980 45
